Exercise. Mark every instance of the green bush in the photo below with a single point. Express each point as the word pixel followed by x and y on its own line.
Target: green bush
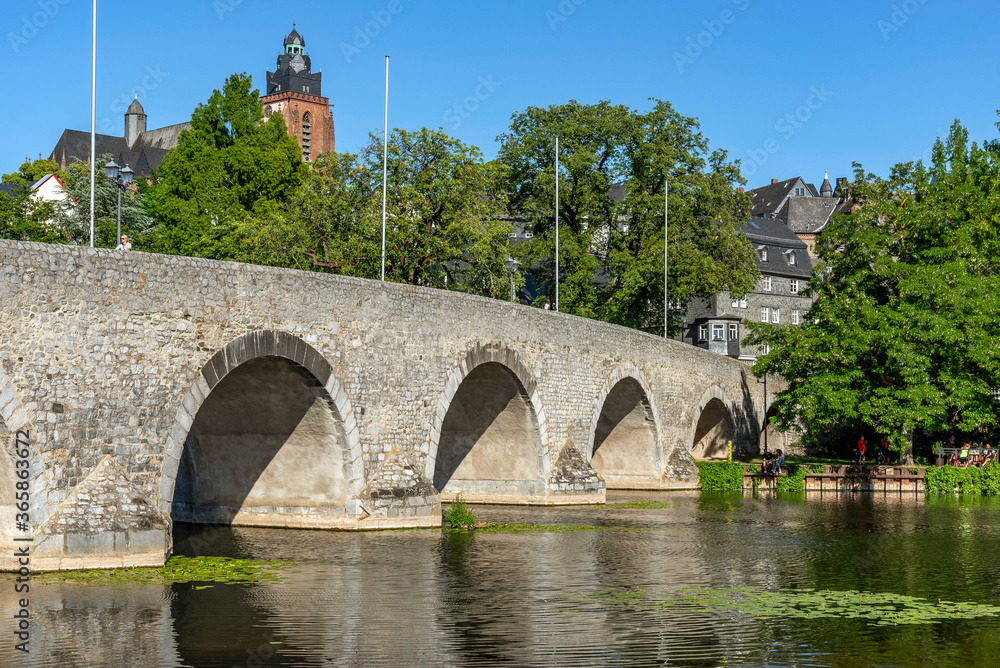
pixel 794 479
pixel 720 476
pixel 459 516
pixel 972 480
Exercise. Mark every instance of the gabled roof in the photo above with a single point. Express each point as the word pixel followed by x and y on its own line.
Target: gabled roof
pixel 770 198
pixel 10 189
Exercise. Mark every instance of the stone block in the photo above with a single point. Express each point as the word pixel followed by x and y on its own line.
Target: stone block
pixel 147 541
pixel 84 545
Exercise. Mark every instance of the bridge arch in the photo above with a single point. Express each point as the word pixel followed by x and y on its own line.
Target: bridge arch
pixel 713 425
pixel 273 366
pixel 489 418
pixel 626 443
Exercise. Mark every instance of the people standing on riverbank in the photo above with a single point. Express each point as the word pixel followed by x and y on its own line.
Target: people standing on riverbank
pixel 963 456
pixel 861 449
pixel 779 463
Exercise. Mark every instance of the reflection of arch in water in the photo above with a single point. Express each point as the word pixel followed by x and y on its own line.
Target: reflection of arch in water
pixel 625 445
pixel 714 428
pixel 270 440
pixel 488 435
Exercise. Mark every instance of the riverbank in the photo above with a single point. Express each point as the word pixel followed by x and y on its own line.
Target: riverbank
pixel 797 477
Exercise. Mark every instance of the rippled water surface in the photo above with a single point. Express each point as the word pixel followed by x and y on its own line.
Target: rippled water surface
pixel 581 597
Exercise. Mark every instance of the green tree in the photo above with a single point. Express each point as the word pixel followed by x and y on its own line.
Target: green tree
pixel 231 164
pixel 73 215
pixel 22 218
pixel 903 335
pixel 614 162
pixel 32 170
pixel 443 229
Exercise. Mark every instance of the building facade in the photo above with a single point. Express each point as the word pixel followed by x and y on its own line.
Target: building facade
pixel 718 325
pixel 295 92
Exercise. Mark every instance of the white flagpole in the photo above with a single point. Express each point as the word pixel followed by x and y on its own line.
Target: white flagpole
pixel 385 159
pixel 666 302
pixel 557 223
pixel 93 124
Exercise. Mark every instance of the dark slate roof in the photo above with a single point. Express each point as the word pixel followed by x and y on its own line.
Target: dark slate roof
pixel 812 189
pixel 773 234
pixel 162 138
pixel 135 108
pixel 294 38
pixel 10 189
pixel 767 199
pixel 75 144
pixel 808 214
pixel 846 206
pixel 147 153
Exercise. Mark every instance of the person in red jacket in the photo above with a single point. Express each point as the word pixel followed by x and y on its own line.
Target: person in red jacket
pixel 861 449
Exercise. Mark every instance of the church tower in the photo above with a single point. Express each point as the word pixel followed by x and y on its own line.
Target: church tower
pixel 295 91
pixel 135 122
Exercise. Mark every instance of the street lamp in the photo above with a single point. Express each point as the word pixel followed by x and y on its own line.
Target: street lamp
pixel 512 266
pixel 764 421
pixel 121 178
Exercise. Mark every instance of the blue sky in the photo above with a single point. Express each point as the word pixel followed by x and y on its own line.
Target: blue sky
pixel 790 88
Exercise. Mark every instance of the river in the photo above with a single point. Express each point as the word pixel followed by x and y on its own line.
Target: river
pixel 698 580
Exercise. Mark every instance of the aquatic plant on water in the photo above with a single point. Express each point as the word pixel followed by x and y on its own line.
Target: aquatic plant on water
pixel 176 570
pixel 879 609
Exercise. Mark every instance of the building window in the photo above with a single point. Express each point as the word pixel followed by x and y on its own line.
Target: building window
pixel 703 333
pixel 765 349
pixel 763 254
pixel 791 258
pixel 743 303
pixel 795 317
pixel 718 332
pixel 736 302
pixel 794 288
pixel 765 283
pixel 764 314
pixel 776 315
pixel 734 332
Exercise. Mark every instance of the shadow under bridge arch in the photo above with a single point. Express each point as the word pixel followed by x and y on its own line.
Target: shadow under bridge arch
pixel 715 428
pixel 626 448
pixel 488 441
pixel 273 440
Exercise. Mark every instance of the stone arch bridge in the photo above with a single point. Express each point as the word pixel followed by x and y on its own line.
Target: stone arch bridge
pixel 150 389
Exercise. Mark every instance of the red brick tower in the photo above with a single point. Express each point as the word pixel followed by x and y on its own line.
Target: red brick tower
pixel 293 90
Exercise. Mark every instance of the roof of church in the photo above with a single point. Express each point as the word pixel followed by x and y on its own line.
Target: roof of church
pixel 136 108
pixel 10 189
pixel 294 38
pixel 146 155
